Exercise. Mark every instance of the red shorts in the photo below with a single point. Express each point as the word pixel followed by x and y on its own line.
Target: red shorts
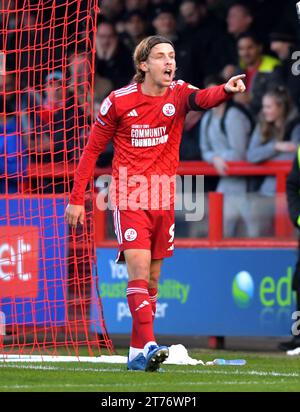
pixel 145 229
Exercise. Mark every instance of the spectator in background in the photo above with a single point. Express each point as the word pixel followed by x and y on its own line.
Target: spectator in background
pixel 207 39
pixel 240 19
pixel 284 44
pixel 160 2
pixel 141 5
pixel 112 10
pixel 267 13
pixel 164 20
pixel 165 24
pixel 194 16
pixel 34 33
pixel 102 88
pixel 8 17
pixel 78 88
pixel 8 24
pixel 59 130
pixel 64 126
pixel 259 69
pixel 224 136
pixel 206 34
pixel 136 28
pixel 80 71
pixel 55 113
pixel 276 137
pixel 79 66
pixel 113 58
pixel 13 156
pixel 21 31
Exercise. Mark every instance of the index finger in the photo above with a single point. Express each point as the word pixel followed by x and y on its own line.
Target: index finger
pixel 239 76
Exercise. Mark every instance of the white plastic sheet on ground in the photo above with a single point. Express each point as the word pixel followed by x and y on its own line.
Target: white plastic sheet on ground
pixel 293 352
pixel 178 355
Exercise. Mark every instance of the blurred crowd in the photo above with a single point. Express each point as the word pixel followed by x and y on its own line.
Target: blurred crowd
pixel 45 89
pixel 215 40
pixel 46 118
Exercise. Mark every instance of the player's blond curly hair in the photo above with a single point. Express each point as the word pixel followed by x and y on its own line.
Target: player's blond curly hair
pixel 142 52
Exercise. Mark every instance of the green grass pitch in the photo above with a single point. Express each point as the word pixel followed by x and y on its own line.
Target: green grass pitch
pixel 264 372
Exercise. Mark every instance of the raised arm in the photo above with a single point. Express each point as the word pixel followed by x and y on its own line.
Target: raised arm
pixel 213 96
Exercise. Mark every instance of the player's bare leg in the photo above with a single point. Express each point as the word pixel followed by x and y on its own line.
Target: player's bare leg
pixel 155 268
pixel 139 266
pixel 138 263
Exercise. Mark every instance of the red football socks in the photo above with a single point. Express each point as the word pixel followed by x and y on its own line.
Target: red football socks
pixel 141 312
pixel 135 337
pixel 153 294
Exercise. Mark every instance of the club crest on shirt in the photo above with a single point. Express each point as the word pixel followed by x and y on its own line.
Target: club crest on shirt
pixel 105 106
pixel 169 109
pixel 130 234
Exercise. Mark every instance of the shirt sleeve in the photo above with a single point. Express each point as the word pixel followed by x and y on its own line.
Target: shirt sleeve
pixel 204 99
pixel 102 131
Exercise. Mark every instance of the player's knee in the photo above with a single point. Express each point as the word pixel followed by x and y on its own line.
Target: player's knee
pixel 139 270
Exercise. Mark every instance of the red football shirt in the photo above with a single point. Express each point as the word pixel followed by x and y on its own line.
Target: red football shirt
pixel 146 132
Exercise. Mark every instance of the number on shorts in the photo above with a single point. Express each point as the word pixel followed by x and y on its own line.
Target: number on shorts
pixel 172 233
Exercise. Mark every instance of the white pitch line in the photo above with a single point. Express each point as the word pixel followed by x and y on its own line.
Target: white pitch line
pixel 198 371
pixel 58 368
pixel 239 372
pixel 105 385
pixel 272 373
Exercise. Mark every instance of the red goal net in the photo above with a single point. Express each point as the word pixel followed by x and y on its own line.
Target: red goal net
pixel 46 110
